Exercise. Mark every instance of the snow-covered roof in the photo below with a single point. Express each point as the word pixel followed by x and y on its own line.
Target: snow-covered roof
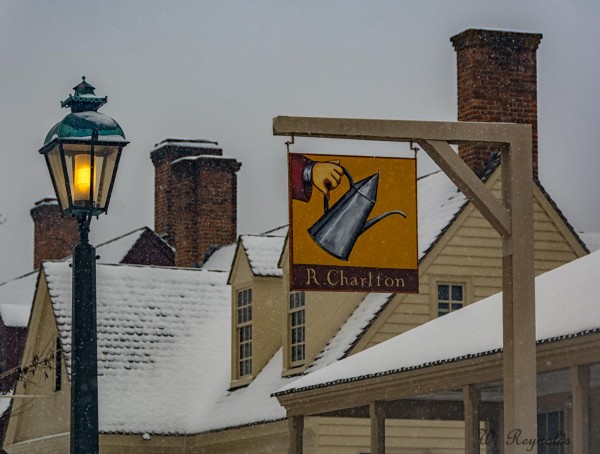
pixel 16 297
pixel 591 240
pixel 350 331
pixel 115 250
pixel 221 259
pixel 252 404
pixel 263 253
pixel 438 202
pixel 439 341
pixel 163 343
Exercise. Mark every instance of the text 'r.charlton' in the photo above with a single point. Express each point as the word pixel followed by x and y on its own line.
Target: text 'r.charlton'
pixel 338 278
pixel 315 277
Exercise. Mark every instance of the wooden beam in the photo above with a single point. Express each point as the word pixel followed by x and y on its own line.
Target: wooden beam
pixel 580 384
pixel 446 410
pixel 377 414
pixel 471 400
pixel 470 184
pixel 398 130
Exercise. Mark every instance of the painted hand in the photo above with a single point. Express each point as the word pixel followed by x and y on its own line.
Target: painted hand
pixel 326 176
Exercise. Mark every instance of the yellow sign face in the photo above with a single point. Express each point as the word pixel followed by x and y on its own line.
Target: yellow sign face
pixel 353 223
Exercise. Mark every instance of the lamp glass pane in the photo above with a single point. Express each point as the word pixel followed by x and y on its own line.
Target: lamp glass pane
pixel 58 177
pixel 106 160
pixel 77 158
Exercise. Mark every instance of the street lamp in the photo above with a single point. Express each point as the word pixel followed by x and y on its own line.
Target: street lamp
pixel 82 152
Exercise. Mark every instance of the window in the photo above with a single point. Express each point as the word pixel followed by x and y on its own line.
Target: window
pixel 297 328
pixel 244 332
pixel 58 366
pixel 451 297
pixel 551 429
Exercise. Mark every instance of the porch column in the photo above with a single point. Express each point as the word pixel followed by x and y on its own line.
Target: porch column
pixel 471 399
pixel 296 427
pixel 377 414
pixel 580 384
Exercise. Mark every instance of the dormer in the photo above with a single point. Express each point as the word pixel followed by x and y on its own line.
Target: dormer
pixel 257 292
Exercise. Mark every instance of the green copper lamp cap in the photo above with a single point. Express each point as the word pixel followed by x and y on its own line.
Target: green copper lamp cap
pixel 84 118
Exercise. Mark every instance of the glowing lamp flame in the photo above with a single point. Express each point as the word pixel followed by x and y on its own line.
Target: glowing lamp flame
pixel 81 177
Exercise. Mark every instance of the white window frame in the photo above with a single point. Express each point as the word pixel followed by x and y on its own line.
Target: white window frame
pixel 297 329
pixel 244 334
pixel 452 302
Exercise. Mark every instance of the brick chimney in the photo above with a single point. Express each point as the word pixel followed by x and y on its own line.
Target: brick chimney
pixel 54 236
pixel 497 82
pixel 195 201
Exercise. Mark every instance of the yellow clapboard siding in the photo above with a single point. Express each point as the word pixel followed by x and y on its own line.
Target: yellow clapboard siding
pixel 469 261
pixel 561 246
pixel 453 270
pixel 543 226
pixel 470 251
pixel 484 242
pixel 408 310
pixel 558 256
pixel 477 232
pixel 341 433
pixel 555 237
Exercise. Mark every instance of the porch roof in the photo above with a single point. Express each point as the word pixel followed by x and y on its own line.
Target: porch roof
pixel 566 306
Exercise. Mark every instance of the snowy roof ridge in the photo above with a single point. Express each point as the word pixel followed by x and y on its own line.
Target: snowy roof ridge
pixel 263 252
pixel 351 331
pixel 435 342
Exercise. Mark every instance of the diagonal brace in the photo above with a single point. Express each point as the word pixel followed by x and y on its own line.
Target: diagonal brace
pixel 463 177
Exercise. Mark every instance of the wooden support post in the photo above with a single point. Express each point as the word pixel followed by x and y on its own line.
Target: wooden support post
pixel 513 221
pixel 580 384
pixel 471 399
pixel 296 427
pixel 518 298
pixel 377 414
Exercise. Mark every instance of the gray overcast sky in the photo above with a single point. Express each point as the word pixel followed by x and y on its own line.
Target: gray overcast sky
pixel 221 70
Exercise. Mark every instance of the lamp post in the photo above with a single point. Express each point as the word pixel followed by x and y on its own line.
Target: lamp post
pixel 82 152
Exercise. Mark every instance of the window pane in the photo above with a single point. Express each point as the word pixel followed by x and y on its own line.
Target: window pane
pixel 443 292
pixel 456 306
pixel 443 309
pixel 457 293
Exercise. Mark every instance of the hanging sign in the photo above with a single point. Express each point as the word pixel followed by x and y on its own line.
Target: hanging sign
pixel 353 223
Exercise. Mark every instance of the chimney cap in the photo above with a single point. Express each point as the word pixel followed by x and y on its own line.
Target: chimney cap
pixel 46 201
pixel 182 142
pixel 498 39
